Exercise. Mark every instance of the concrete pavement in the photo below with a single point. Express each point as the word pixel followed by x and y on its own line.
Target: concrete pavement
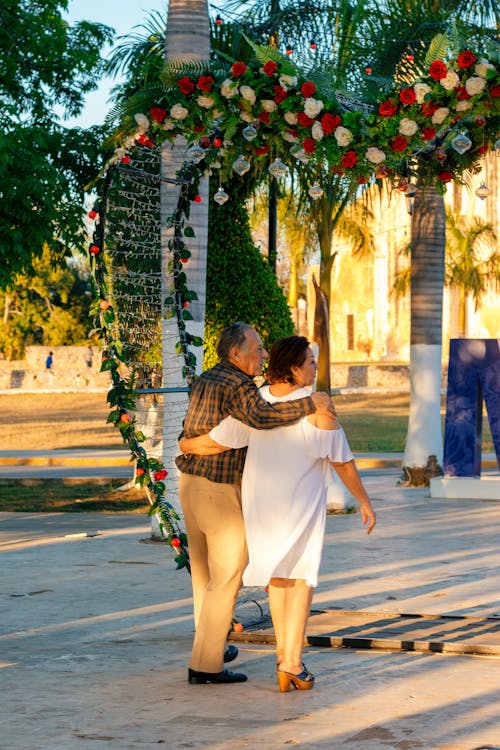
pixel 96 631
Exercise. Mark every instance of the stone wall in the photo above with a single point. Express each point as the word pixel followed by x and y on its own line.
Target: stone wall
pixel 74 368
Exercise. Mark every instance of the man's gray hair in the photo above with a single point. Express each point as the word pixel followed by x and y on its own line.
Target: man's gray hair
pixel 230 337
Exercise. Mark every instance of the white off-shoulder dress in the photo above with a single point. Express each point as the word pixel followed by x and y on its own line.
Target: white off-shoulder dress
pixel 284 493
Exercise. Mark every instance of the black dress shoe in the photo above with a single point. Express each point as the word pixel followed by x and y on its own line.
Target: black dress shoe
pixel 230 653
pixel 201 678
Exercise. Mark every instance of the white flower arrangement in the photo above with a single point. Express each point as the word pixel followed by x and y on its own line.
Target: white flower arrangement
pixel 248 94
pixel 312 107
pixel 408 127
pixel 343 136
pixel 178 112
pixel 287 82
pixel 375 155
pixel 168 124
pixel 440 115
pixel 290 118
pixel 207 102
pixel 450 81
pixel 246 116
pixel 268 105
pixel 229 88
pixel 421 89
pixel 463 105
pixel 289 137
pixel 482 67
pixel 142 121
pixel 475 85
pixel 317 131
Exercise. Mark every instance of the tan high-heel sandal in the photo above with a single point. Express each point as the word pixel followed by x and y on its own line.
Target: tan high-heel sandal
pixel 302 681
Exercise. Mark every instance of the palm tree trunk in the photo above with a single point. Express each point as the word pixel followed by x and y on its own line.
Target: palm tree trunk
pixel 187 38
pixel 424 436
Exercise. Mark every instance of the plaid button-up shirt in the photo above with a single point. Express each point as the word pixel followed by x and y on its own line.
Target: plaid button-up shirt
pixel 225 390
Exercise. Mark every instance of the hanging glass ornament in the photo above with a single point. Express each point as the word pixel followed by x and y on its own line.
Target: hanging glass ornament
pixel 221 196
pixel 278 169
pixel 249 133
pixel 440 154
pixel 483 191
pixel 241 165
pixel 196 154
pixel 461 143
pixel 315 191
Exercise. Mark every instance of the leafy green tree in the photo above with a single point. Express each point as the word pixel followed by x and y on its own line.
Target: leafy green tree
pixel 240 283
pixel 46 68
pixel 48 306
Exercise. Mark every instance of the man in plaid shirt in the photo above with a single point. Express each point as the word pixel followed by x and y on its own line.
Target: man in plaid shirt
pixel 209 491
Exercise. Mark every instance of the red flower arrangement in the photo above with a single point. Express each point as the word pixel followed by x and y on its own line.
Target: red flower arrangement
pixel 279 94
pixel 438 70
pixel 238 69
pixel 408 96
pixel 186 85
pixel 270 68
pixel 349 159
pixel 157 114
pixel 309 145
pixel 308 89
pixel 159 475
pixel 304 120
pixel 400 143
pixel 466 59
pixel 329 123
pixel 263 117
pixel 428 133
pixel 205 83
pixel 388 108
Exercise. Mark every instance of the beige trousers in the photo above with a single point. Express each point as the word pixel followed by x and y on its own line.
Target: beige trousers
pixel 218 556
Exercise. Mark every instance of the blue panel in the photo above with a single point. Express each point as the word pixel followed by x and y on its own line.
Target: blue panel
pixel 473 374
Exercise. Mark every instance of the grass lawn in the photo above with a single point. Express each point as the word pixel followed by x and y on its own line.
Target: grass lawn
pixel 373 423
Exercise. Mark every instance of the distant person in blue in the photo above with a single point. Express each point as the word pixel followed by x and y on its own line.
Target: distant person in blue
pixel 48 361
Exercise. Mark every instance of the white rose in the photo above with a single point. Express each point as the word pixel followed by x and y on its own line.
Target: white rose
pixel 312 107
pixel 342 136
pixel 206 101
pixel 268 105
pixel 248 94
pixel 287 82
pixel 474 85
pixel 375 155
pixel 168 124
pixel 463 105
pixel 440 115
pixel 450 81
pixel 407 126
pixel 178 112
pixel 142 122
pixel 246 116
pixel 290 137
pixel 421 89
pixel 228 88
pixel 291 118
pixel 317 131
pixel 482 67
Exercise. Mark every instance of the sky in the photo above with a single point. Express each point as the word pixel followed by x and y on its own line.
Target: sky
pixel 122 15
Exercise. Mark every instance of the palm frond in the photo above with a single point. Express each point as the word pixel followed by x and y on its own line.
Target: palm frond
pixel 438 48
pixel 172 69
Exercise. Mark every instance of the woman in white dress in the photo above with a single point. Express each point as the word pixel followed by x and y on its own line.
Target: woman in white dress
pixel 284 500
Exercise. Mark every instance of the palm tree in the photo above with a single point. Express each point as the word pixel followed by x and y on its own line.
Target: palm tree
pixel 472 262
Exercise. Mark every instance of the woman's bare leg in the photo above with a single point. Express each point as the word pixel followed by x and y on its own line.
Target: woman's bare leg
pixel 290 604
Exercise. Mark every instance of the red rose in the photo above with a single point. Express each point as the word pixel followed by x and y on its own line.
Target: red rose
pixel 428 134
pixel 308 89
pixel 186 85
pixel 408 96
pixel 362 181
pixel 261 150
pixel 495 91
pixel 349 159
pixel 263 117
pixel 399 143
pixel 198 128
pixel 329 123
pixel 438 70
pixel 205 83
pixel 157 114
pixel 293 132
pixel 483 149
pixel 388 108
pixel 161 474
pixel 466 59
pixel 461 93
pixel 309 145
pixel 428 108
pixel 304 120
pixel 270 68
pixel 279 94
pixel 144 140
pixel 445 176
pixel 238 69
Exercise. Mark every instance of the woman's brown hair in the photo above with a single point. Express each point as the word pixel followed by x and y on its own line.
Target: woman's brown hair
pixel 285 354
